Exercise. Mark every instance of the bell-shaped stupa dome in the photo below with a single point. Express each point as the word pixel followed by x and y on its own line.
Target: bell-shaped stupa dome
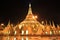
pixel 30 24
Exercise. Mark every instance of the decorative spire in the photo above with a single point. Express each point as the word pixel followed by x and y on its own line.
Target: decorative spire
pixel 30 10
pixel 8 23
pixel 50 23
pixel 29 15
pixel 53 24
pixel 58 26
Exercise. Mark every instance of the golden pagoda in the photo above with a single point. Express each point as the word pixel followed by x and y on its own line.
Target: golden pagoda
pixel 30 25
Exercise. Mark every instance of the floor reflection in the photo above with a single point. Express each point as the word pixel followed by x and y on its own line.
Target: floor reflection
pixel 28 38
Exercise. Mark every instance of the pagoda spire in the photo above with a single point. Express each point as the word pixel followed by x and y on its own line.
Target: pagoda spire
pixel 53 24
pixel 8 23
pixel 57 26
pixel 30 15
pixel 50 23
pixel 30 10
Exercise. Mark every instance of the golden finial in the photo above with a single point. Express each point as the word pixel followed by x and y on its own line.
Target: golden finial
pixel 30 10
pixel 29 5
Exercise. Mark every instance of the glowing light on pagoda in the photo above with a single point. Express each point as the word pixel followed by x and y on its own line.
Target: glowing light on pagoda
pixel 26 32
pixel 2 24
pixel 15 33
pixel 22 32
pixel 36 17
pixel 46 32
pixel 8 38
pixel 14 38
pixel 9 32
pixel 42 22
pixel 26 38
pixel 22 38
pixel 59 31
pixel 50 32
pixel 20 26
pixel 33 17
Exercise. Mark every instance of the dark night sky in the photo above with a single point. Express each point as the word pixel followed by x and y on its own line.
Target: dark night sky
pixel 16 10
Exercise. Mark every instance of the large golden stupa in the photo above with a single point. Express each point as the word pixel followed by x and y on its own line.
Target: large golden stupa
pixel 30 24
